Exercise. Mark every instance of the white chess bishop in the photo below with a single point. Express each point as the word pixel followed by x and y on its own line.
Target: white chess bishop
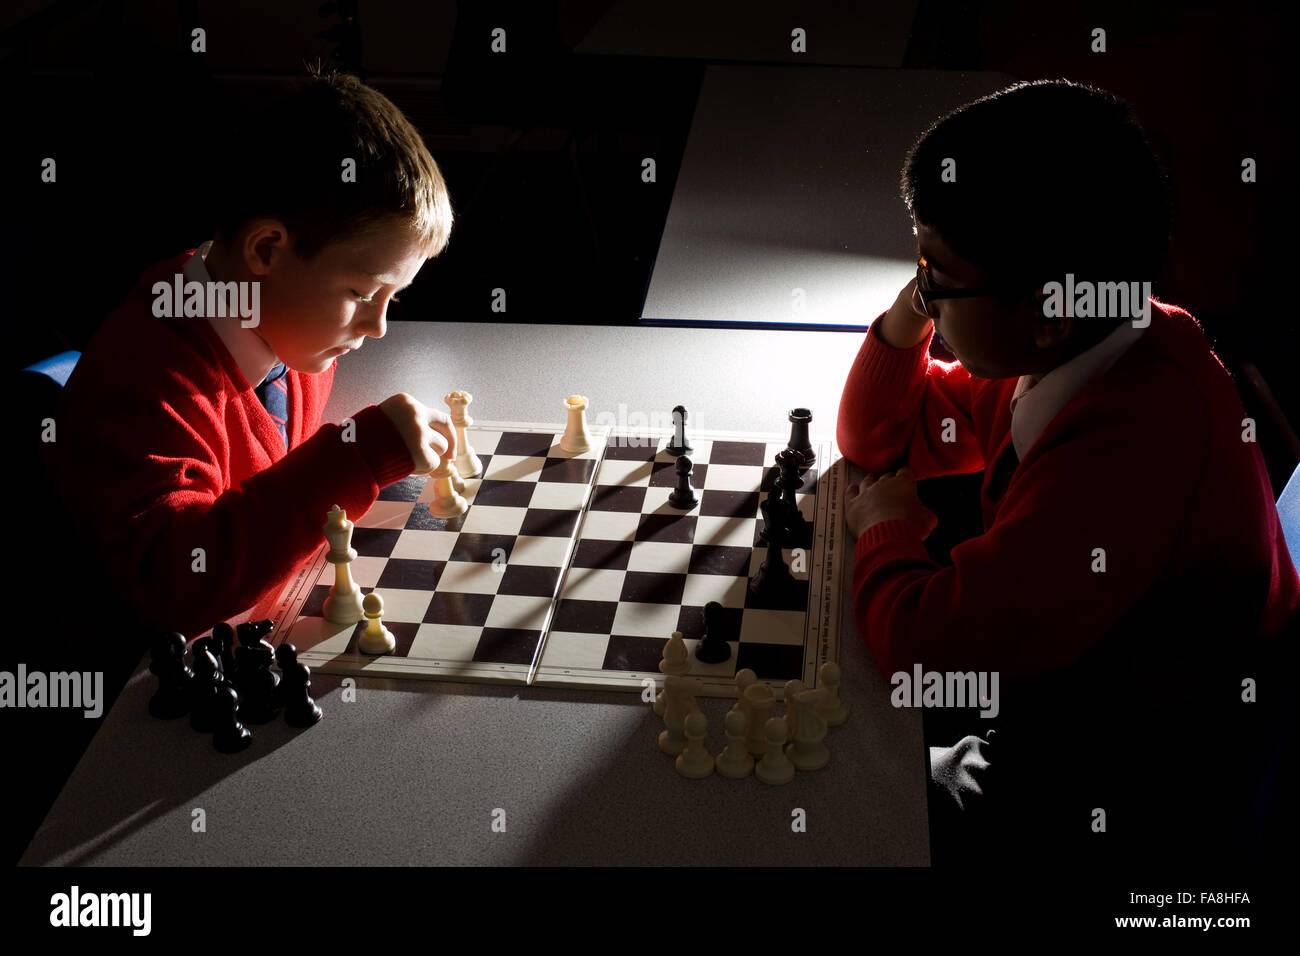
pixel 343 605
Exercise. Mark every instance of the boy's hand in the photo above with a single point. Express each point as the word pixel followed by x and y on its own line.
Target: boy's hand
pixel 903 326
pixel 428 433
pixel 961 771
pixel 891 495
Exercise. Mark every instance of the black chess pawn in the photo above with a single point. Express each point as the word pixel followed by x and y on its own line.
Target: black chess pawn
pixel 223 646
pixel 230 736
pixel 204 687
pixel 772 580
pixel 256 682
pixel 800 418
pixel 683 496
pixel 172 698
pixel 679 444
pixel 295 688
pixel 713 649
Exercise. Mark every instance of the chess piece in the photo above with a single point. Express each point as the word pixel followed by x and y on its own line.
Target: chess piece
pixel 375 639
pixel 679 444
pixel 808 751
pixel 744 677
pixel 676 661
pixel 797 529
pixel 343 604
pixel 256 682
pixel 300 710
pixel 457 481
pixel 167 663
pixel 679 702
pixel 758 708
pixel 223 636
pixel 792 689
pixel 800 418
pixel 713 649
pixel 834 711
pixel 775 767
pixel 735 761
pixel 203 691
pixel 575 438
pixel 230 735
pixel 695 761
pixel 772 581
pixel 446 502
pixel 467 462
pixel 683 496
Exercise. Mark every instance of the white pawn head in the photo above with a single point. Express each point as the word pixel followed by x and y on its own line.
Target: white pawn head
pixel 775 731
pixel 373 604
pixel 830 673
pixel 735 724
pixel 697 725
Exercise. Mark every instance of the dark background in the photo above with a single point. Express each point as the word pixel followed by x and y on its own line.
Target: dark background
pixel 542 148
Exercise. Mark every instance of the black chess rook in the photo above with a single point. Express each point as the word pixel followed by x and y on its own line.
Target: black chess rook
pixel 800 418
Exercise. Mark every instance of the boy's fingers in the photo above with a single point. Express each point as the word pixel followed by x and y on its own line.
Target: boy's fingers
pixel 441 425
pixel 904 472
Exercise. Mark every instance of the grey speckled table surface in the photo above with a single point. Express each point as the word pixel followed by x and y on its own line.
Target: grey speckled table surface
pixel 414 772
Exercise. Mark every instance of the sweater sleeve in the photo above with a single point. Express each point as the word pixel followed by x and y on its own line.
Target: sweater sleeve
pixel 895 410
pixel 189 552
pixel 1032 593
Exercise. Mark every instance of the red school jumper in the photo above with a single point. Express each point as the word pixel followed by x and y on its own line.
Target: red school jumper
pixel 166 448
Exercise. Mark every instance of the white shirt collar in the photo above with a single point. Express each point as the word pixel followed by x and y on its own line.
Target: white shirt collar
pixel 253 356
pixel 1034 406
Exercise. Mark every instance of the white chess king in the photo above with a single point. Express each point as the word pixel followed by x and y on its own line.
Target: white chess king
pixel 343 604
pixel 467 462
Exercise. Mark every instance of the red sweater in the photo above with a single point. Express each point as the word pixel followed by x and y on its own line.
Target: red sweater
pixel 1146 461
pixel 166 448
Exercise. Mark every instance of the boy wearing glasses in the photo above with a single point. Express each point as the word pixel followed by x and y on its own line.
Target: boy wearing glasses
pixel 1132 582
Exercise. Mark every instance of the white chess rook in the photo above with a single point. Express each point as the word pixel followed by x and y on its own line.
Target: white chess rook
pixel 467 462
pixel 343 604
pixel 576 439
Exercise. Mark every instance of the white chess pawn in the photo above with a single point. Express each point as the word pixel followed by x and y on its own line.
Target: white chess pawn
pixel 742 680
pixel 467 462
pixel 375 639
pixel 343 604
pixel 758 708
pixel 679 702
pixel 793 688
pixel 446 502
pixel 775 767
pixel 835 711
pixel 735 761
pixel 808 750
pixel 575 438
pixel 676 660
pixel 695 761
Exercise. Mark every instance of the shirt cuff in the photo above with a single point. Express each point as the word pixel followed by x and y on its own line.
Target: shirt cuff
pixel 895 530
pixel 381 446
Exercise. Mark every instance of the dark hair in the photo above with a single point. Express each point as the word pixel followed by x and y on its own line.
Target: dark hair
pixel 288 162
pixel 1051 177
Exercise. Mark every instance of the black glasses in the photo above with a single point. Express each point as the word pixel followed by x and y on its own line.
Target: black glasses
pixel 929 295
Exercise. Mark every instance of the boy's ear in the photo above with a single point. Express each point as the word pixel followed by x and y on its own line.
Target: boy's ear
pixel 1050 331
pixel 266 243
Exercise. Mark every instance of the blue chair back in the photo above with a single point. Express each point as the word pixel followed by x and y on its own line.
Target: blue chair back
pixel 57 368
pixel 1288 509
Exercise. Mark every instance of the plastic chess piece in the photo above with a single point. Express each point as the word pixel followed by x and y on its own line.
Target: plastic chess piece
pixel 446 501
pixel 203 691
pixel 775 767
pixel 758 708
pixel 679 703
pixel 257 683
pixel 167 663
pixel 230 736
pixel 772 580
pixel 576 438
pixel 835 711
pixel 675 661
pixel 300 710
pixel 695 761
pixel 343 604
pixel 807 750
pixel 679 444
pixel 457 481
pixel 792 689
pixel 713 649
pixel 683 495
pixel 375 639
pixel 467 462
pixel 800 418
pixel 744 677
pixel 223 635
pixel 797 529
pixel 735 761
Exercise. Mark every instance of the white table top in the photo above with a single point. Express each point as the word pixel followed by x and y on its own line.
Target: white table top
pixel 411 772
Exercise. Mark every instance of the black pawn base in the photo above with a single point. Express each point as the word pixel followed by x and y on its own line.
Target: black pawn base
pixel 712 651
pixel 683 502
pixel 303 717
pixel 232 741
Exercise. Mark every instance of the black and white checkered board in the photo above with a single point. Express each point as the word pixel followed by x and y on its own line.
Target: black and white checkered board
pixel 643 569
pixel 467 597
pixel 553 578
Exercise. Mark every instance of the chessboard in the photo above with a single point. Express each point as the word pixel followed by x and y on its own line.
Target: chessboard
pixel 573 569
